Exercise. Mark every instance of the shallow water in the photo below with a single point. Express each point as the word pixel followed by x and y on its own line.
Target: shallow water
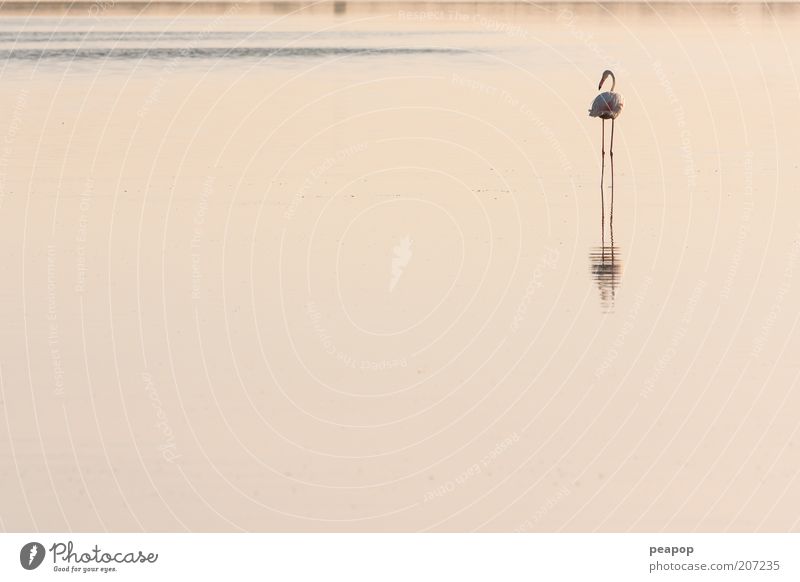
pixel 348 272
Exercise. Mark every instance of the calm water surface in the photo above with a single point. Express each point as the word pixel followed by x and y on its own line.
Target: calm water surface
pixel 348 271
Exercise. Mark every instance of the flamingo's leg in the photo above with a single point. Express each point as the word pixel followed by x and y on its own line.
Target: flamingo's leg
pixel 602 174
pixel 611 153
pixel 611 146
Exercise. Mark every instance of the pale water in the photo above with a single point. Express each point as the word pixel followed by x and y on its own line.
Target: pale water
pixel 346 271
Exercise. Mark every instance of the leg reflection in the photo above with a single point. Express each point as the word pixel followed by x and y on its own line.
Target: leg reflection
pixel 604 260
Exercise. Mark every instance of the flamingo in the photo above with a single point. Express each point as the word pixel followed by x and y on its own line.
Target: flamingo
pixel 607 105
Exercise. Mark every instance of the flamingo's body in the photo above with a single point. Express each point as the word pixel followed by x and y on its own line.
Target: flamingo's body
pixel 607 105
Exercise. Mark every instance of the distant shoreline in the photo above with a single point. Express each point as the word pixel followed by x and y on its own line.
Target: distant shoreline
pixel 532 3
pixel 99 8
pixel 403 2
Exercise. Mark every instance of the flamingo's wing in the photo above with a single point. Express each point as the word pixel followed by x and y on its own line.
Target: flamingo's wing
pixel 607 105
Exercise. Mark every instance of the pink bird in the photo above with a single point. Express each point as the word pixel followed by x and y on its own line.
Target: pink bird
pixel 607 105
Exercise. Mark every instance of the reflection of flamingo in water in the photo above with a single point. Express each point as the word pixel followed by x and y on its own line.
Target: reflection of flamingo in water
pixel 607 270
pixel 605 263
pixel 607 105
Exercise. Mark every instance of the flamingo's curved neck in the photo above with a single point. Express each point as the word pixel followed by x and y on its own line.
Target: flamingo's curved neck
pixel 613 80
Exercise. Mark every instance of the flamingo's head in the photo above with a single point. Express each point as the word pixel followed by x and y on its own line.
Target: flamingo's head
pixel 606 75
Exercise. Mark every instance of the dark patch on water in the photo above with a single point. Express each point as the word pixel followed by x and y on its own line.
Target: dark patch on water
pixel 33 36
pixel 169 53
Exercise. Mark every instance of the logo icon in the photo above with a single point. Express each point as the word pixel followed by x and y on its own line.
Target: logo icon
pixel 402 256
pixel 31 555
